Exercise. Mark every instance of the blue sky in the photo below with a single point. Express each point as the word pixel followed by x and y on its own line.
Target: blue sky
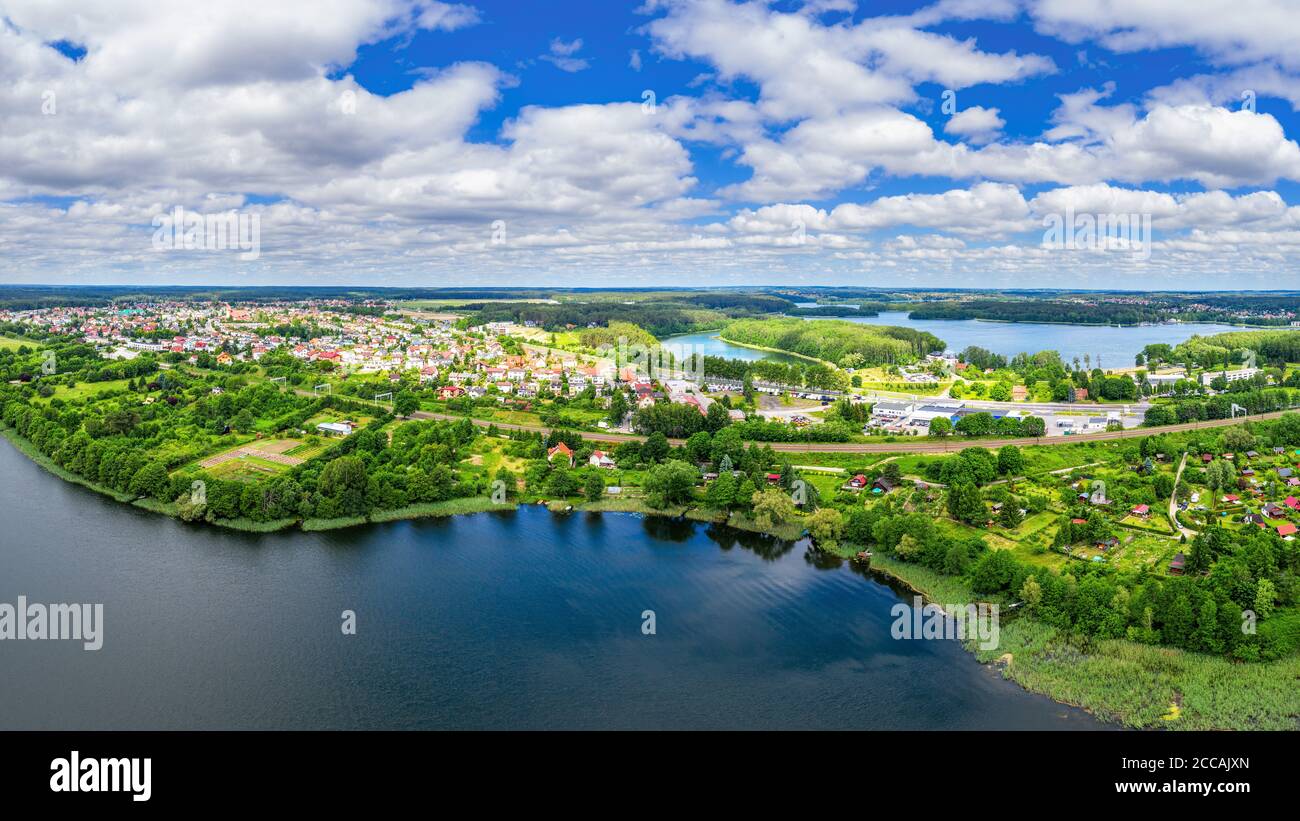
pixel 418 142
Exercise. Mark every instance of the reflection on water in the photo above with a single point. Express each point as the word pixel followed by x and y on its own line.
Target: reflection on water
pixel 1114 347
pixel 520 619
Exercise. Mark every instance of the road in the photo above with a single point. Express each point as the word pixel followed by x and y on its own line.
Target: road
pixel 1173 502
pixel 920 445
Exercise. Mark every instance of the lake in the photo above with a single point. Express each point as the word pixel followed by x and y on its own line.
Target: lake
pixel 514 620
pixel 1113 347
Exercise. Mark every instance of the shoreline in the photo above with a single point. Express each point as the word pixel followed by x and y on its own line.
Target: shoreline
pixel 778 350
pixel 716 333
pixel 1111 679
pixel 1102 324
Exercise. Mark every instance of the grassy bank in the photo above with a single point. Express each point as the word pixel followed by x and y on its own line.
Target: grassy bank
pixel 253 526
pixel 313 525
pixel 1133 684
pixel 451 507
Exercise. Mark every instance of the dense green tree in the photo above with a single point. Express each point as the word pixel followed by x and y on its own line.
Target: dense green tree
pixel 1010 460
pixel 826 526
pixel 670 483
pixel 772 507
pixel 561 483
pixel 343 483
pixel 152 480
pixel 965 503
pixel 655 448
pixel 594 486
pixel 405 403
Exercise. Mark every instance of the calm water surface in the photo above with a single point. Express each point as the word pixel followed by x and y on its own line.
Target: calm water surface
pixel 517 620
pixel 1114 347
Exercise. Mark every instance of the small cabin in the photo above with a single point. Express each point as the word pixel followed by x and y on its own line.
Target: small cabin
pixel 1178 565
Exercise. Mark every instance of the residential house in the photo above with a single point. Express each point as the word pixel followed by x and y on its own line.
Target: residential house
pixel 562 451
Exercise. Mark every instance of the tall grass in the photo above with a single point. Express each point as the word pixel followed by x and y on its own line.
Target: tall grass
pixel 1133 684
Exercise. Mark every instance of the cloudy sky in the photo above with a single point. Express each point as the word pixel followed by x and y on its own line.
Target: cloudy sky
pixel 685 142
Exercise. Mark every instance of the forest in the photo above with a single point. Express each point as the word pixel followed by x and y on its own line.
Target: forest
pixel 846 344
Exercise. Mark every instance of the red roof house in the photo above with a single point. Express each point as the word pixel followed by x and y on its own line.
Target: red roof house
pixel 561 450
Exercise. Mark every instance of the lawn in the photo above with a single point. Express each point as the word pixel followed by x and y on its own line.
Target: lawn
pixel 1155 524
pixel 508 417
pixel 82 390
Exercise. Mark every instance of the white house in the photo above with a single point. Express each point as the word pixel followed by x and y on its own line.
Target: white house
pixel 1231 376
pixel 892 411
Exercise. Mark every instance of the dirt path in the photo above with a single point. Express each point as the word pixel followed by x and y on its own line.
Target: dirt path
pixel 1173 502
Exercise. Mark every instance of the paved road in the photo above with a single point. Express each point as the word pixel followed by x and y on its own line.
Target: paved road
pixel 921 444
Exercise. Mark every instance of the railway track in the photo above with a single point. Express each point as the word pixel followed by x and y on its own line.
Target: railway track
pixel 920 445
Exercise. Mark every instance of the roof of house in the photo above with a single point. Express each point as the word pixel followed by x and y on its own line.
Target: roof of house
pixel 1285 529
pixel 561 449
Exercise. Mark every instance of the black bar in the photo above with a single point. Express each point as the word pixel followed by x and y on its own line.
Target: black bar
pixel 212 770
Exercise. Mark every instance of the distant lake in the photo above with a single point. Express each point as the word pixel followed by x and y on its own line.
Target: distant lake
pixel 708 344
pixel 511 620
pixel 1113 347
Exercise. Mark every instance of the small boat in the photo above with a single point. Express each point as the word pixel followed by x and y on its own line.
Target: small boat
pixel 864 556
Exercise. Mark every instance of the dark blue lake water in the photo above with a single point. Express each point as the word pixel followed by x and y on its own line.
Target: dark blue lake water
pixel 517 620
